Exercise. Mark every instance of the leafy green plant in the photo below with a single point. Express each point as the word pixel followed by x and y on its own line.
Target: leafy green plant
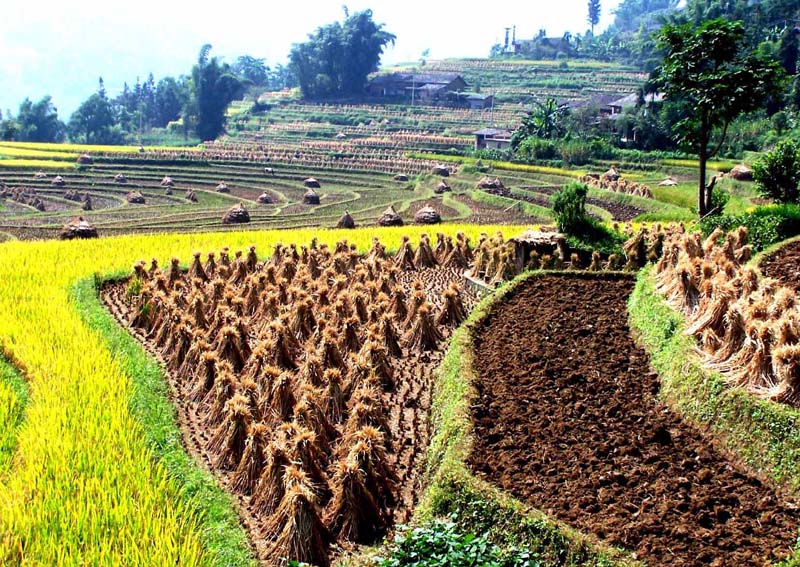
pixel 569 207
pixel 719 200
pixel 583 232
pixel 777 173
pixel 440 543
pixel 575 152
pixel 533 148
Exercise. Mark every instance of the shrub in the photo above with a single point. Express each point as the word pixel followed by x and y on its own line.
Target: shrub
pixel 576 152
pixel 533 148
pixel 569 207
pixel 583 232
pixel 719 200
pixel 440 543
pixel 777 173
pixel 765 225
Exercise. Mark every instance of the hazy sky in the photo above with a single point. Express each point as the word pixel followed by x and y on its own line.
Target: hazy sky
pixel 61 48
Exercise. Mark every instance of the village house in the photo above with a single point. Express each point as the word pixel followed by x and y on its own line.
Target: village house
pixel 492 139
pixel 425 88
pixel 615 108
pixel 473 101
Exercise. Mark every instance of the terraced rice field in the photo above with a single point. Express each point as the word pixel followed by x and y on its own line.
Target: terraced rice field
pixel 516 81
pixel 99 418
pixel 269 181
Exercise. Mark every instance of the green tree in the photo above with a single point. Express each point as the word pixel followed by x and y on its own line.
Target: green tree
pixel 38 122
pixel 214 86
pixel 337 58
pixel 281 77
pixel 9 129
pixel 708 70
pixel 94 121
pixel 252 70
pixel 170 98
pixel 777 173
pixel 594 13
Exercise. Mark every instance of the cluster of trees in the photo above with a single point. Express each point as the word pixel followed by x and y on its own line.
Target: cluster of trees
pixel 335 61
pixel 197 101
pixel 104 120
pixel 35 122
pixel 630 38
pixel 337 58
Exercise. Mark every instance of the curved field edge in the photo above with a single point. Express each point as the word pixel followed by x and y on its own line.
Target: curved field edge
pixel 474 504
pixel 14 396
pixel 85 487
pixel 772 249
pixel 763 434
pixel 223 536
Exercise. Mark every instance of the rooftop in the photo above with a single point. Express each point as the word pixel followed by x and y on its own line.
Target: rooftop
pixel 422 78
pixel 492 132
pixel 633 98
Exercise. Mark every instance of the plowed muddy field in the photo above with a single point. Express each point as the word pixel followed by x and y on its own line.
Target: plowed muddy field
pixel 784 265
pixel 568 419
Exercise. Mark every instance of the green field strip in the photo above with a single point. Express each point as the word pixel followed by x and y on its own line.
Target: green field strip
pixel 14 396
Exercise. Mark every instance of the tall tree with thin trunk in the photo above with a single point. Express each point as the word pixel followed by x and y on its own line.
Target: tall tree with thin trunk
pixel 594 13
pixel 709 71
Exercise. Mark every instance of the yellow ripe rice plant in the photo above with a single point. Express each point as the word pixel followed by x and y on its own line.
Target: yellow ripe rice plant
pixel 86 148
pixel 37 163
pixel 504 165
pixel 84 489
pixel 15 152
pixel 716 165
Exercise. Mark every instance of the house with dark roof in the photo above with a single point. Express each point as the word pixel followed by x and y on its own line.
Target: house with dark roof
pixel 427 88
pixel 471 100
pixel 492 139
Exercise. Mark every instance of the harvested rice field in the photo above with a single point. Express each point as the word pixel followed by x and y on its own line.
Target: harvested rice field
pixel 304 381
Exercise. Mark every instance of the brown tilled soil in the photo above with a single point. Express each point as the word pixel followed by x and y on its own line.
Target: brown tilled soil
pixel 568 419
pixel 784 265
pixel 485 214
pixel 408 405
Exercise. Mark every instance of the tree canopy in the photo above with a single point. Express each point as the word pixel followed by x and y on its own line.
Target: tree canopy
pixel 214 86
pixel 709 71
pixel 252 70
pixel 337 58
pixel 594 14
pixel 94 121
pixel 38 122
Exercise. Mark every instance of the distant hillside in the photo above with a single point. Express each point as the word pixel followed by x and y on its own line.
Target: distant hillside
pixel 515 80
